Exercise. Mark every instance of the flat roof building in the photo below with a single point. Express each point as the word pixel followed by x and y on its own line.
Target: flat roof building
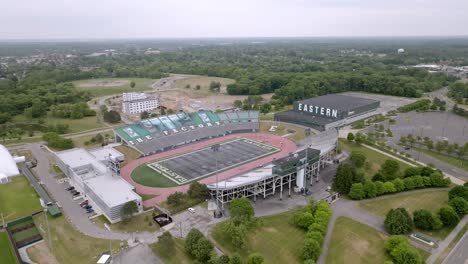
pixel 328 111
pixel 89 172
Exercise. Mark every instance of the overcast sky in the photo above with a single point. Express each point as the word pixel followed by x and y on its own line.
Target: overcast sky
pixel 81 19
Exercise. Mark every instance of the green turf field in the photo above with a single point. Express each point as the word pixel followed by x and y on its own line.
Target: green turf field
pixel 146 176
pixel 18 199
pixel 6 250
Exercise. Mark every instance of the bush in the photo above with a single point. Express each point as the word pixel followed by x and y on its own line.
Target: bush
pixel 302 219
pixel 458 191
pixel 370 189
pixel 401 251
pixel 448 216
pixel 346 175
pixel 311 249
pixel 399 184
pixel 389 187
pixel 358 158
pixel 398 222
pixel 198 191
pixel 380 187
pixel 315 235
pixel 350 136
pixel 357 191
pixel 418 181
pixel 438 180
pixel 241 210
pixel 409 183
pixel 423 219
pixel 389 169
pixel 460 206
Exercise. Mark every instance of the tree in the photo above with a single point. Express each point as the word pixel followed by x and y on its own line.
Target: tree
pixel 389 187
pixel 235 259
pixel 423 219
pixel 350 136
pixel 389 169
pixel 166 243
pixel 265 108
pixel 448 216
pixel 241 210
pixel 358 158
pixel 215 86
pixel 370 189
pixel 203 249
pixel 460 206
pixel 346 175
pixel 311 249
pixel 357 191
pixel 176 199
pixel 380 187
pixel 238 103
pixel 439 146
pixel 144 115
pixel 192 240
pixel 127 211
pixel 112 116
pixel 398 222
pixel 409 183
pixel 223 260
pixel 458 191
pixel 399 185
pixel 302 219
pixel 132 84
pixel 401 251
pixel 198 191
pixel 255 258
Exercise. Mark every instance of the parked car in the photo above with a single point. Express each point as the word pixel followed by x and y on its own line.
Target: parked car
pixel 84 203
pixel 70 188
pixel 191 210
pixel 87 207
pixel 407 148
pixel 89 211
pixel 76 193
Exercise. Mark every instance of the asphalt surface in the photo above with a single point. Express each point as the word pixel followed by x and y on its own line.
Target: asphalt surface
pixel 459 255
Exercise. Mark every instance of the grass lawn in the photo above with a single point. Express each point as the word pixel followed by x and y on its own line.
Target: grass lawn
pixel 18 199
pixel 374 158
pixel 139 223
pixel 30 232
pixel 80 142
pixel 431 200
pixel 282 129
pixel 146 176
pixel 185 204
pixel 141 84
pixel 145 197
pixel 130 153
pixel 275 239
pixel 71 246
pixel 203 81
pixel 462 164
pixel 75 125
pixel 6 250
pixel 177 257
pixel 354 242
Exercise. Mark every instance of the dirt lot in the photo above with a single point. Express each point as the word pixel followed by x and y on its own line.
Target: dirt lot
pixel 40 254
pixel 104 83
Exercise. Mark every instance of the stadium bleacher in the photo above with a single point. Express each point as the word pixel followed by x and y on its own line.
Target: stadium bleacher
pixel 158 134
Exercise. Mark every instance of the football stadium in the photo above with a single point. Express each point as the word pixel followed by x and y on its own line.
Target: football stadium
pixel 329 111
pixel 223 150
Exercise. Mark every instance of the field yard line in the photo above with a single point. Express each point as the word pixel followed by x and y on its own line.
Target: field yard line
pixel 452 178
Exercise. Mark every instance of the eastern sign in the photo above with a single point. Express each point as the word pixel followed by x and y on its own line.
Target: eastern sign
pixel 324 111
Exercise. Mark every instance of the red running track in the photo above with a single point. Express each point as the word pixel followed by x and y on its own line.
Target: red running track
pixel 286 146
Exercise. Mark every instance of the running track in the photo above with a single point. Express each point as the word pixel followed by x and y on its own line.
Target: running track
pixel 284 144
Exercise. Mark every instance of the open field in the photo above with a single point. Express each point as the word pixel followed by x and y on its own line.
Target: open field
pixel 85 142
pixel 144 175
pixel 431 200
pixel 354 242
pixel 109 86
pixel 18 199
pixel 275 239
pixel 75 125
pixel 204 82
pixel 375 159
pixel 282 129
pixel 138 223
pixel 40 253
pixel 177 257
pixel 71 246
pixel 462 164
pixel 6 250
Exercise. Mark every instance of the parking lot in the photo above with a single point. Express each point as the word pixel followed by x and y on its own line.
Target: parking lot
pixel 387 103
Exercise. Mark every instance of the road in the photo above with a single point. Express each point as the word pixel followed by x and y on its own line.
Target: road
pixel 459 254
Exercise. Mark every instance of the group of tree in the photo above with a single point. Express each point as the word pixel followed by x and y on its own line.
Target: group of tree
pixel 197 193
pixel 72 111
pixel 111 116
pixel 438 104
pixel 56 141
pixel 439 146
pixel 459 92
pixel 419 105
pixel 241 222
pixel 401 251
pixel 371 189
pixel 256 102
pixel 215 87
pixel 314 218
pixel 399 222
pixel 459 110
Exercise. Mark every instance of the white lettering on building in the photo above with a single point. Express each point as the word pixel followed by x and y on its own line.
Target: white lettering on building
pixel 317 110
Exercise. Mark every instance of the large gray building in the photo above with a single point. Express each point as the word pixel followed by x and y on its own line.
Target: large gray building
pixel 328 111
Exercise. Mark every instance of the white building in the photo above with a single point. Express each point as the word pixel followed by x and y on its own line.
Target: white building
pixel 8 166
pixel 400 50
pixel 89 174
pixel 134 103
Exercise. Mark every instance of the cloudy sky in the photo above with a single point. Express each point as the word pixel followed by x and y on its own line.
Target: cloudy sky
pixel 81 19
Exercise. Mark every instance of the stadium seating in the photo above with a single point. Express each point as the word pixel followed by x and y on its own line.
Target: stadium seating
pixel 158 134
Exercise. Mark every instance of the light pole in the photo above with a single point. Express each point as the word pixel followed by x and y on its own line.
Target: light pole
pixel 110 241
pixel 215 149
